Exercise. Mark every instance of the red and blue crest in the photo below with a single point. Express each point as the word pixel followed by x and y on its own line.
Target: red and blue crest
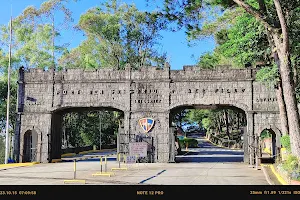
pixel 146 124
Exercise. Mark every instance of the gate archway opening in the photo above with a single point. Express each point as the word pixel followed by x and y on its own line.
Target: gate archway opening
pixel 208 133
pixel 30 146
pixel 78 130
pixel 268 146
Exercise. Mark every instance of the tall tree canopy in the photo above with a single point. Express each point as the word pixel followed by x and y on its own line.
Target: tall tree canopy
pixel 117 34
pixel 277 18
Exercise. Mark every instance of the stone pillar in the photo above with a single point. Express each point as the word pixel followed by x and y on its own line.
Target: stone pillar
pixel 41 124
pixel 125 134
pixel 251 139
pixel 256 144
pixel 245 145
pixel 56 134
pixel 172 145
pixel 159 132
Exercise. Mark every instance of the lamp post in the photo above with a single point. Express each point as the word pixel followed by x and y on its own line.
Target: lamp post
pixel 8 95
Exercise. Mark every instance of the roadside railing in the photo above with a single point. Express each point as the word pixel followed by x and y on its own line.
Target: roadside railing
pixel 224 142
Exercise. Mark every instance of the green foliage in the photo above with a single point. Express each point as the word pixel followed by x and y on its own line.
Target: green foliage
pixel 286 142
pixel 83 128
pixel 208 61
pixel 3 100
pixel 180 117
pixel 2 150
pixel 265 134
pixel 291 163
pixel 268 75
pixel 207 123
pixel 117 34
pixel 192 143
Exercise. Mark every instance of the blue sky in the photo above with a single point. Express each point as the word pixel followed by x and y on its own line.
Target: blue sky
pixel 174 43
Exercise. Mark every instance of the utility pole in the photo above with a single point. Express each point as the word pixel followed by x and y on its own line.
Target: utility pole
pixel 100 128
pixel 8 94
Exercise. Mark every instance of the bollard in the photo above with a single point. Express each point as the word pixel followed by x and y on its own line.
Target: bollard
pixel 101 163
pixel 105 163
pixel 120 168
pixel 74 175
pixel 136 161
pixel 74 169
pixel 101 173
pixel 119 158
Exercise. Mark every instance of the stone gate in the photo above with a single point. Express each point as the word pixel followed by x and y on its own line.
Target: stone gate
pixel 44 96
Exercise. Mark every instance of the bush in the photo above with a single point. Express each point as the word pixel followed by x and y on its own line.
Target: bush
pixel 285 142
pixel 295 175
pixel 291 163
pixel 192 143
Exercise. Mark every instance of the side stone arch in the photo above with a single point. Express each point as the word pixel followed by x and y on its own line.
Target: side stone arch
pixel 36 143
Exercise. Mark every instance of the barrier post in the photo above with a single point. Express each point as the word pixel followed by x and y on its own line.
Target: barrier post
pixel 74 169
pixel 105 163
pixel 74 175
pixel 101 163
pixel 101 171
pixel 119 168
pixel 119 159
pixel 136 161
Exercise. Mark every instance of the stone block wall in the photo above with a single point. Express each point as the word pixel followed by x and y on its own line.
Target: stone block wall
pixel 147 92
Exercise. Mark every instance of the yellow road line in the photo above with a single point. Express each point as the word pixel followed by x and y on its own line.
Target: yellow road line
pixel 68 154
pixel 280 179
pixel 121 168
pixel 102 174
pixel 18 164
pixel 74 180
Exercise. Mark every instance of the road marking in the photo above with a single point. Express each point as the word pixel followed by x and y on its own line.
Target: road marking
pixel 159 173
pixel 214 155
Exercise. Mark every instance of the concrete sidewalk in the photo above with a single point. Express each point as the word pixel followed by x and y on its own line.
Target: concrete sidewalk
pixel 142 173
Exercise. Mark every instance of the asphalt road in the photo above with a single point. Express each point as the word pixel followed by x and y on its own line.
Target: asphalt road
pixel 207 165
pixel 207 152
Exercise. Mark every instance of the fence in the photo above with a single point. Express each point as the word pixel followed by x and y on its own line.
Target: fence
pixel 86 148
pixel 224 142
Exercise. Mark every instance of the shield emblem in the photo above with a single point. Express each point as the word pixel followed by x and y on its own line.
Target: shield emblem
pixel 146 124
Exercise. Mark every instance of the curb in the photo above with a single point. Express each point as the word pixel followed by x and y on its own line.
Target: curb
pixel 280 179
pixel 56 160
pixel 85 152
pixel 18 165
pixel 267 175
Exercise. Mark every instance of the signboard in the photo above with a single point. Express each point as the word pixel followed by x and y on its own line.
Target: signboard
pixel 130 159
pixel 138 149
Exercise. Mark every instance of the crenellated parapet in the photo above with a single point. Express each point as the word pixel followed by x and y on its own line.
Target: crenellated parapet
pixel 149 73
pixel 195 73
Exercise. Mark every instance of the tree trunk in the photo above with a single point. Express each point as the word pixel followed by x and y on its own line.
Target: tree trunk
pixel 282 110
pixel 226 123
pixel 238 120
pixel 287 81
